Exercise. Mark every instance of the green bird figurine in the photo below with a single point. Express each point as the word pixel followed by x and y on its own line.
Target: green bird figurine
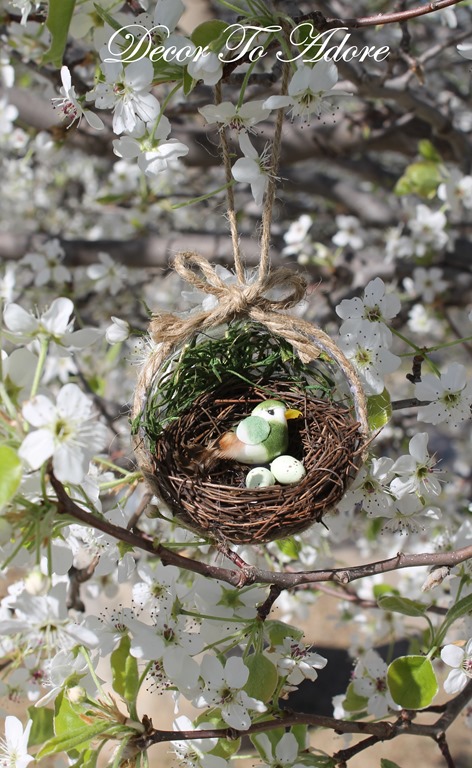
pixel 260 437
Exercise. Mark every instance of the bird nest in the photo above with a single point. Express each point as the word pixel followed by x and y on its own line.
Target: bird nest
pixel 215 502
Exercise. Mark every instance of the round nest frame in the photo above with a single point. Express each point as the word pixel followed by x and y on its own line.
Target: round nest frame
pixel 215 502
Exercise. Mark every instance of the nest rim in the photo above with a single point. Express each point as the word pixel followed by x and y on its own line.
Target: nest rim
pixel 219 507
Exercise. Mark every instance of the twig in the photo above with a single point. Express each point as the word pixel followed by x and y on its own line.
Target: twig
pixel 78 576
pixel 378 19
pixel 265 608
pixel 344 755
pixel 409 402
pixel 134 519
pixel 253 575
pixel 444 747
pixel 378 731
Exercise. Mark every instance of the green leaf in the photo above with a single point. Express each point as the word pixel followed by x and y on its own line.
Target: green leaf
pixel 404 605
pixel 379 410
pixel 188 83
pixel 353 701
pixel 277 631
pixel 421 178
pixel 58 22
pixel 10 476
pixel 78 739
pixel 211 716
pixel 125 671
pixel 108 18
pixel 208 32
pixel 459 609
pixel 226 748
pixel 412 682
pixel 428 151
pixel 300 733
pixel 67 717
pixel 379 590
pixel 43 725
pixel 263 677
pixel 87 759
pixel 384 763
pixel 289 547
pixel 323 761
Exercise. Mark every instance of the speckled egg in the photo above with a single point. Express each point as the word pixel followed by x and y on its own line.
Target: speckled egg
pixel 287 470
pixel 259 477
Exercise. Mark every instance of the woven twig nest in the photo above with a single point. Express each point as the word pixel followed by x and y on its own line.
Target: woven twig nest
pixel 216 502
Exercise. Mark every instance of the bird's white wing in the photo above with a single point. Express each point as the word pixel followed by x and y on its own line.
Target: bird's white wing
pixel 253 430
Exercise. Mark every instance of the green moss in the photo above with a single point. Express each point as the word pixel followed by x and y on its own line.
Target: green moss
pixel 247 352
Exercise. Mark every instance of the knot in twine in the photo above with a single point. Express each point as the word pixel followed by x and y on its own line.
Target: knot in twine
pixel 245 299
pixel 241 299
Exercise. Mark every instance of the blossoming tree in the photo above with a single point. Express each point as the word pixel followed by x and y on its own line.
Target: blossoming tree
pixel 130 131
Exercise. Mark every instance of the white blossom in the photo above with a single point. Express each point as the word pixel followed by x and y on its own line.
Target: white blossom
pixel 46 263
pixel 54 325
pixel 14 747
pixel 465 50
pixel 296 662
pixel 371 488
pixel 422 320
pixel 450 395
pixel 41 623
pixel 207 67
pixel 155 152
pixel 70 107
pixel 428 230
pixel 350 233
pixel 281 755
pixel 370 680
pixel 118 331
pixel 7 283
pixel 415 471
pixel 8 115
pixel 194 752
pixel 223 688
pixel 108 274
pixel 366 349
pixel 427 283
pixel 456 191
pixel 252 168
pixel 309 90
pixel 66 432
pixel 377 307
pixel 126 91
pixel 239 118
pixel 460 659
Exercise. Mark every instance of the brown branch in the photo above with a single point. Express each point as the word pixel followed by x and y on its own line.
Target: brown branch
pixel 252 575
pixel 380 731
pixel 265 608
pixel 78 576
pixel 344 755
pixel 444 747
pixel 409 402
pixel 346 595
pixel 383 18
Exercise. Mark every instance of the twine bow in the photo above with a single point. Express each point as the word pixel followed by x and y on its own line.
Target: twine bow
pixel 234 300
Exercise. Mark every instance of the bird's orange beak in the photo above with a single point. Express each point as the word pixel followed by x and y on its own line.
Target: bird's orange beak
pixel 292 413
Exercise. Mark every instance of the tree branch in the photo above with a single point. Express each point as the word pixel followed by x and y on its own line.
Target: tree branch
pixel 381 18
pixel 252 575
pixel 379 731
